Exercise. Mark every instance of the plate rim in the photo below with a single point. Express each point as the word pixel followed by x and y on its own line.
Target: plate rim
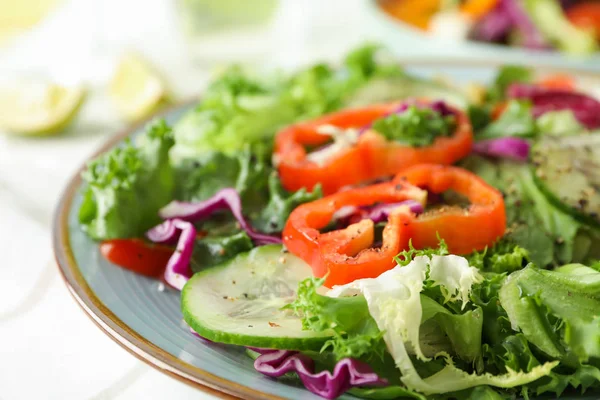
pixel 132 341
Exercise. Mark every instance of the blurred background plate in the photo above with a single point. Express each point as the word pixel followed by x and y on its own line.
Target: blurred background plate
pixel 401 37
pixel 144 317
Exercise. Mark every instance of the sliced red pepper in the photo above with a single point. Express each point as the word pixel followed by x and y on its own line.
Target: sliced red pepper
pixel 387 158
pixel 464 230
pixel 137 255
pixel 372 157
pixel 346 255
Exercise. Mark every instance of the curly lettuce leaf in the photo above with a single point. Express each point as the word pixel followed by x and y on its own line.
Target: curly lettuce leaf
pixel 415 126
pixel 125 188
pixel 281 203
pixel 504 256
pixel 239 109
pixel 516 353
pixel 356 333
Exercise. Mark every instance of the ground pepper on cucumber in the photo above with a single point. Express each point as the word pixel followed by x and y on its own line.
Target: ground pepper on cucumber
pixel 365 231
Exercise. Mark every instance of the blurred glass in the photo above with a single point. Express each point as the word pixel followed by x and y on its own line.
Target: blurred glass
pixel 210 16
pixel 224 31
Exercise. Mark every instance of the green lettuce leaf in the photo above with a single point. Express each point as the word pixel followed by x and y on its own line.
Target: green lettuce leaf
pixel 557 311
pixel 504 256
pixel 462 332
pixel 415 126
pixel 507 75
pixel 214 250
pixel 281 203
pixel 356 333
pixel 239 109
pixel 386 393
pixel 549 235
pixel 247 172
pixel 560 123
pixel 515 121
pixel 125 187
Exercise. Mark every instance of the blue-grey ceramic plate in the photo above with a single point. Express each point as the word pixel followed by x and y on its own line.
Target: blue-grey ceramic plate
pixel 133 311
pixel 408 41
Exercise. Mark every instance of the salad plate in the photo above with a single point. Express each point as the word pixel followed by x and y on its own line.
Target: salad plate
pixel 144 315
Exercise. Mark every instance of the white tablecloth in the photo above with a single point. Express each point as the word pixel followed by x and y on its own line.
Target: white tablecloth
pixel 49 349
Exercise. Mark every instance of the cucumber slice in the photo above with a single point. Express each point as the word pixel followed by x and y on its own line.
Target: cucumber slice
pixel 240 302
pixel 398 88
pixel 567 170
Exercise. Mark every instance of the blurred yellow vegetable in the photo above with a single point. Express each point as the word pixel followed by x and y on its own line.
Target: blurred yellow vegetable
pixel 38 108
pixel 19 15
pixel 136 89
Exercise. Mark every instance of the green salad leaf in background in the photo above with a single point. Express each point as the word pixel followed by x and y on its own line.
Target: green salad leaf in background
pixel 127 186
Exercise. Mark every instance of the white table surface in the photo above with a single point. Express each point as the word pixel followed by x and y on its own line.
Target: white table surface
pixel 49 349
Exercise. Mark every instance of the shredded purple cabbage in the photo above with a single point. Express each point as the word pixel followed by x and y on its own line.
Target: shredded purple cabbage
pixel 227 198
pixel 165 233
pixel 378 213
pixel 509 15
pixel 510 147
pixel 585 108
pixel 442 108
pixel 347 373
pixel 177 271
pixel 381 212
pixel 494 26
pixel 532 37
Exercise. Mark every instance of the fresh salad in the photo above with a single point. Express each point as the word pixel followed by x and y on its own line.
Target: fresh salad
pixel 571 26
pixel 361 230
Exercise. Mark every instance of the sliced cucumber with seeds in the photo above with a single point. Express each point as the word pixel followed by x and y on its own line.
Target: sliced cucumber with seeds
pixel 240 301
pixel 399 88
pixel 567 170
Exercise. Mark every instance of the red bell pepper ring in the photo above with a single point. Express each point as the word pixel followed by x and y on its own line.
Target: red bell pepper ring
pixel 465 230
pixel 370 158
pixel 346 255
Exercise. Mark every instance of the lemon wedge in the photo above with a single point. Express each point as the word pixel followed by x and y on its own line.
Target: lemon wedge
pixel 136 89
pixel 35 108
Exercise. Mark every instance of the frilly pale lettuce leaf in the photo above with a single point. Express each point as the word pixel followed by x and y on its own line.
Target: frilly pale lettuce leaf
pixel 394 302
pixel 455 277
